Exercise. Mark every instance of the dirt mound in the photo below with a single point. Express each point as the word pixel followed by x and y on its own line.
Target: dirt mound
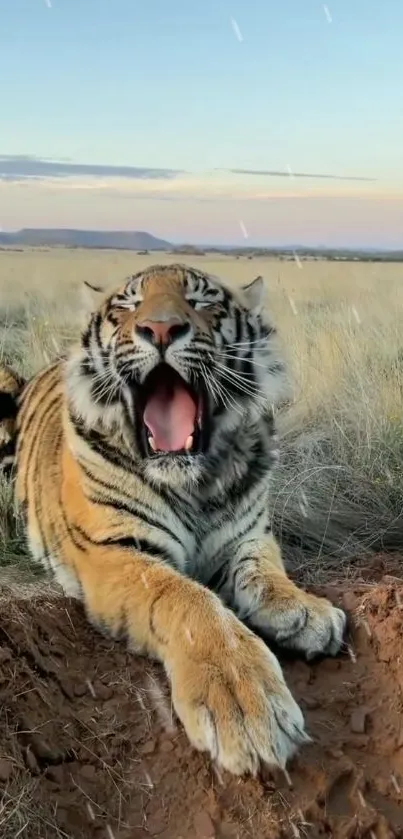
pixel 89 746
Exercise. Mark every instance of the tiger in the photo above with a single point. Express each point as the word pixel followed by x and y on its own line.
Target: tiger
pixel 143 468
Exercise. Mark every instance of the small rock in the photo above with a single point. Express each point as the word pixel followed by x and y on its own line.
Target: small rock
pixel 331 592
pixel 55 774
pixel 358 720
pixel 5 655
pixel 156 823
pixel 228 830
pixel 148 748
pixel 204 826
pixel 103 691
pixel 80 689
pixel 61 816
pixel 360 741
pixel 167 746
pixel 67 688
pixel 6 768
pixel 44 750
pixel 310 702
pixel 31 761
pixel 349 601
pixel 88 771
pixel 337 754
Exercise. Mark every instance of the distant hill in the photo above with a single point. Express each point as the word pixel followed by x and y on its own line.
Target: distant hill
pixel 188 250
pixel 143 243
pixel 115 239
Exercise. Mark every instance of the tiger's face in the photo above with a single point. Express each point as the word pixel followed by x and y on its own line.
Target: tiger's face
pixel 186 358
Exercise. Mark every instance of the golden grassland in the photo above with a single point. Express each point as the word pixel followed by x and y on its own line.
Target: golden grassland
pixel 337 495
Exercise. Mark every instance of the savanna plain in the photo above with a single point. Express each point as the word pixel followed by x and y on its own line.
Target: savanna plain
pixel 89 746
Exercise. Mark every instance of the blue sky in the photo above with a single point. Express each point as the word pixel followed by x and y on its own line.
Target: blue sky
pixel 158 101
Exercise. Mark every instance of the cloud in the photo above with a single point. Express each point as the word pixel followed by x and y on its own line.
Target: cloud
pixel 30 176
pixel 20 167
pixel 289 173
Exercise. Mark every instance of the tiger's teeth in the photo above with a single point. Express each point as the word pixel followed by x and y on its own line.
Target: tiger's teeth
pixel 189 443
pixel 151 443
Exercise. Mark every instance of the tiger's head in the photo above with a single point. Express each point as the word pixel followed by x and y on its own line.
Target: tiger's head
pixel 181 359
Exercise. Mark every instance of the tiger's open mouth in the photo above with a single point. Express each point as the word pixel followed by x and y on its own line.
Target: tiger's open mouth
pixel 172 414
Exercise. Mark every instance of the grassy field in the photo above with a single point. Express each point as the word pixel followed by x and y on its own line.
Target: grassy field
pixel 338 493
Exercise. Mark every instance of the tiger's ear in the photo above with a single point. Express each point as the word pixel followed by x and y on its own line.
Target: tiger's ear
pixel 254 294
pixel 91 296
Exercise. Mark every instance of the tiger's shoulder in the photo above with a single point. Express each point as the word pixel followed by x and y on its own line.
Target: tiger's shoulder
pixel 11 384
pixel 11 387
pixel 17 396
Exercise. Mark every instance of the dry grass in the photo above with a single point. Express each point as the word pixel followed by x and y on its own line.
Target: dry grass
pixel 337 494
pixel 19 812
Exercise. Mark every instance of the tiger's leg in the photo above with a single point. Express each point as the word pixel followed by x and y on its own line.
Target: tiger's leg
pixel 257 587
pixel 227 686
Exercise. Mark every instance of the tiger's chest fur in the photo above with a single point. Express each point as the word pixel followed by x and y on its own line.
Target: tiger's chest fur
pixel 196 529
pixel 206 531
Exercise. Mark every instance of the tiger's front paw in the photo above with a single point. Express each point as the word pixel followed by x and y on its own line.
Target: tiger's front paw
pixel 233 701
pixel 303 622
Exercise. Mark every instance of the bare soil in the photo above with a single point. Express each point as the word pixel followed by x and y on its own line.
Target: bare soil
pixel 89 745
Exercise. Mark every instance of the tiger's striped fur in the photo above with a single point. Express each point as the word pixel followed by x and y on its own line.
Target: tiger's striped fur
pixel 175 551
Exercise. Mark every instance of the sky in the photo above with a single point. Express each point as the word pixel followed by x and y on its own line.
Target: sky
pixel 222 121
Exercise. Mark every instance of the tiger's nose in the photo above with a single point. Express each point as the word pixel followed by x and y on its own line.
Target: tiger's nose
pixel 162 332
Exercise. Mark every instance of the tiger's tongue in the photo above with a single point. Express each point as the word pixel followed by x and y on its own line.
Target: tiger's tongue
pixel 170 416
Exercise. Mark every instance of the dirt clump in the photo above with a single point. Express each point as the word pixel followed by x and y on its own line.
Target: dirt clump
pixel 90 747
